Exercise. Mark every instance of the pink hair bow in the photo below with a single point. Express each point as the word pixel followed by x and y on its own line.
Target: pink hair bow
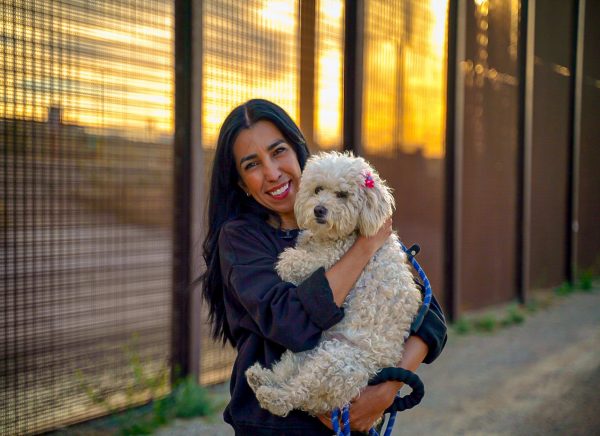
pixel 369 181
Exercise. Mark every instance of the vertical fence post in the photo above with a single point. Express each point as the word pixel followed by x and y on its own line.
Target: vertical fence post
pixel 454 153
pixel 452 118
pixel 574 155
pixel 526 84
pixel 198 189
pixel 353 74
pixel 182 166
pixel 307 69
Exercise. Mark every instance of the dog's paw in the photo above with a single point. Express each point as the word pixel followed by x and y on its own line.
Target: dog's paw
pixel 274 400
pixel 296 264
pixel 285 265
pixel 258 376
pixel 252 377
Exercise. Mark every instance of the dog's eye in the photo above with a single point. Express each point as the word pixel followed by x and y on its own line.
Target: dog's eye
pixel 318 189
pixel 341 194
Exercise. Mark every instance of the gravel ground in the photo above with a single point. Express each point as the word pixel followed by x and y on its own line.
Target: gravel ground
pixel 539 377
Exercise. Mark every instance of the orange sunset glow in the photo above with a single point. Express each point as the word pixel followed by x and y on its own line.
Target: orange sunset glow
pixel 100 85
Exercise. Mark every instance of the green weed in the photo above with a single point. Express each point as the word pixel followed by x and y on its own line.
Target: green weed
pixel 186 399
pixel 462 326
pixel 586 281
pixel 514 315
pixel 565 288
pixel 485 324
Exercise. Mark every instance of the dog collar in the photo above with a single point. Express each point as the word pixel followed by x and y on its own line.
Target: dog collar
pixel 287 233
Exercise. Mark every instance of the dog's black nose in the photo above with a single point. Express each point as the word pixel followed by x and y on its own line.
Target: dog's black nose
pixel 320 211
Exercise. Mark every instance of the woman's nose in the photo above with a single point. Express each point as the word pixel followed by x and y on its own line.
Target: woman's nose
pixel 272 171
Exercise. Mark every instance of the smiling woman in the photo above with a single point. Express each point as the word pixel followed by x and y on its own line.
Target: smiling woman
pixel 269 169
pixel 256 174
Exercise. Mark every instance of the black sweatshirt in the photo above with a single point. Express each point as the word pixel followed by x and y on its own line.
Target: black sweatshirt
pixel 267 316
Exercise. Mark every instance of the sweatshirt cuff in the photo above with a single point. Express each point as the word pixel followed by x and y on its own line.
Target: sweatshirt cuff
pixel 317 299
pixel 433 333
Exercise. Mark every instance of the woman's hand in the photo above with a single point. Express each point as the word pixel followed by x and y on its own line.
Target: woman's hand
pixel 368 407
pixel 343 275
pixel 326 420
pixel 373 243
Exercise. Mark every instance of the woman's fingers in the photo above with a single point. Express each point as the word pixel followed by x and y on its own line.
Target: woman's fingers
pixel 369 406
pixel 326 419
pixel 376 241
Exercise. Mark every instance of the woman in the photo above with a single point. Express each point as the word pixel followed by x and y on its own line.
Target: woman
pixel 256 173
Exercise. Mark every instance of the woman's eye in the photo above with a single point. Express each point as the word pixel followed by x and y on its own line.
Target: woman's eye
pixel 279 150
pixel 250 165
pixel 318 189
pixel 341 194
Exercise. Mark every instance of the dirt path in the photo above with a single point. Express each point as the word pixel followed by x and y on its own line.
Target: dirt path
pixel 538 378
pixel 541 377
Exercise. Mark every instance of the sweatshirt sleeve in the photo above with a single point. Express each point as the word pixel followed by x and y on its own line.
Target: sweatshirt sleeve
pixel 292 316
pixel 432 329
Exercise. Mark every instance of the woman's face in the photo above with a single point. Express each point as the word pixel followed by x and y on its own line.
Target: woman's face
pixel 269 169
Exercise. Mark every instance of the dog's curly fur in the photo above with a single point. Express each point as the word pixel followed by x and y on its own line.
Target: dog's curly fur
pixel 378 310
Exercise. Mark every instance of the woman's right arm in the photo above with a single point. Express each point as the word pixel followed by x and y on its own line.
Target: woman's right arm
pixel 292 316
pixel 343 275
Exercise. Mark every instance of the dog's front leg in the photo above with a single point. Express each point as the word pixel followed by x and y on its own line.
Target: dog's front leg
pixel 296 264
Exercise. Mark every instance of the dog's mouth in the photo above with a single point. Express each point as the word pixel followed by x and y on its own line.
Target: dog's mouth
pixel 321 220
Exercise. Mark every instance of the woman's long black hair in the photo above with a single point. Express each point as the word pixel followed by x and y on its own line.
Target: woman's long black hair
pixel 227 200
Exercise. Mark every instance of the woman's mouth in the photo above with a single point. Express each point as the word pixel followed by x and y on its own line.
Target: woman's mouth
pixel 280 192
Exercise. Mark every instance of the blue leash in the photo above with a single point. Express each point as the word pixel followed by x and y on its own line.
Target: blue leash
pixel 400 403
pixel 411 253
pixel 335 421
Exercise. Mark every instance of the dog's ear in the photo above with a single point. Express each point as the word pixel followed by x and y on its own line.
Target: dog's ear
pixel 378 202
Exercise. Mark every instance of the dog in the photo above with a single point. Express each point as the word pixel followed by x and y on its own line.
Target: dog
pixel 341 196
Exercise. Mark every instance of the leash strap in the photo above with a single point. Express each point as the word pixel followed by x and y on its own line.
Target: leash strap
pixel 411 253
pixel 335 421
pixel 346 420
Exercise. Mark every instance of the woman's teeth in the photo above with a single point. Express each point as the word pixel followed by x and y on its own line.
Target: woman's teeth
pixel 280 190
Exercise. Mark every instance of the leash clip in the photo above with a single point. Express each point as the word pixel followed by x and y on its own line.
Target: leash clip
pixel 413 251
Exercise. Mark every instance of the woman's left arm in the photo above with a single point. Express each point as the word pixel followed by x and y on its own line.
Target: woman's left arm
pixel 432 330
pixel 424 345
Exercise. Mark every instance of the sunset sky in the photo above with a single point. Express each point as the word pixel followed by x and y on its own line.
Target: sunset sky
pixel 110 69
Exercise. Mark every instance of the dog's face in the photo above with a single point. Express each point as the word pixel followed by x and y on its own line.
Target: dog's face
pixel 340 193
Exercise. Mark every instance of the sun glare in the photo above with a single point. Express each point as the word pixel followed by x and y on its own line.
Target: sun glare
pixel 120 75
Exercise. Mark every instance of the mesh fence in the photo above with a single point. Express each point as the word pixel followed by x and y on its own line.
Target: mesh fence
pixel 253 50
pixel 86 152
pixel 86 128
pixel 490 73
pixel 404 111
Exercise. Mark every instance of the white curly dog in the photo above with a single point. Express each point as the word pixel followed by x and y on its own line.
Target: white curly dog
pixel 339 197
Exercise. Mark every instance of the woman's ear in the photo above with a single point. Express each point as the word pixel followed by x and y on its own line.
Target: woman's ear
pixel 242 185
pixel 378 204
